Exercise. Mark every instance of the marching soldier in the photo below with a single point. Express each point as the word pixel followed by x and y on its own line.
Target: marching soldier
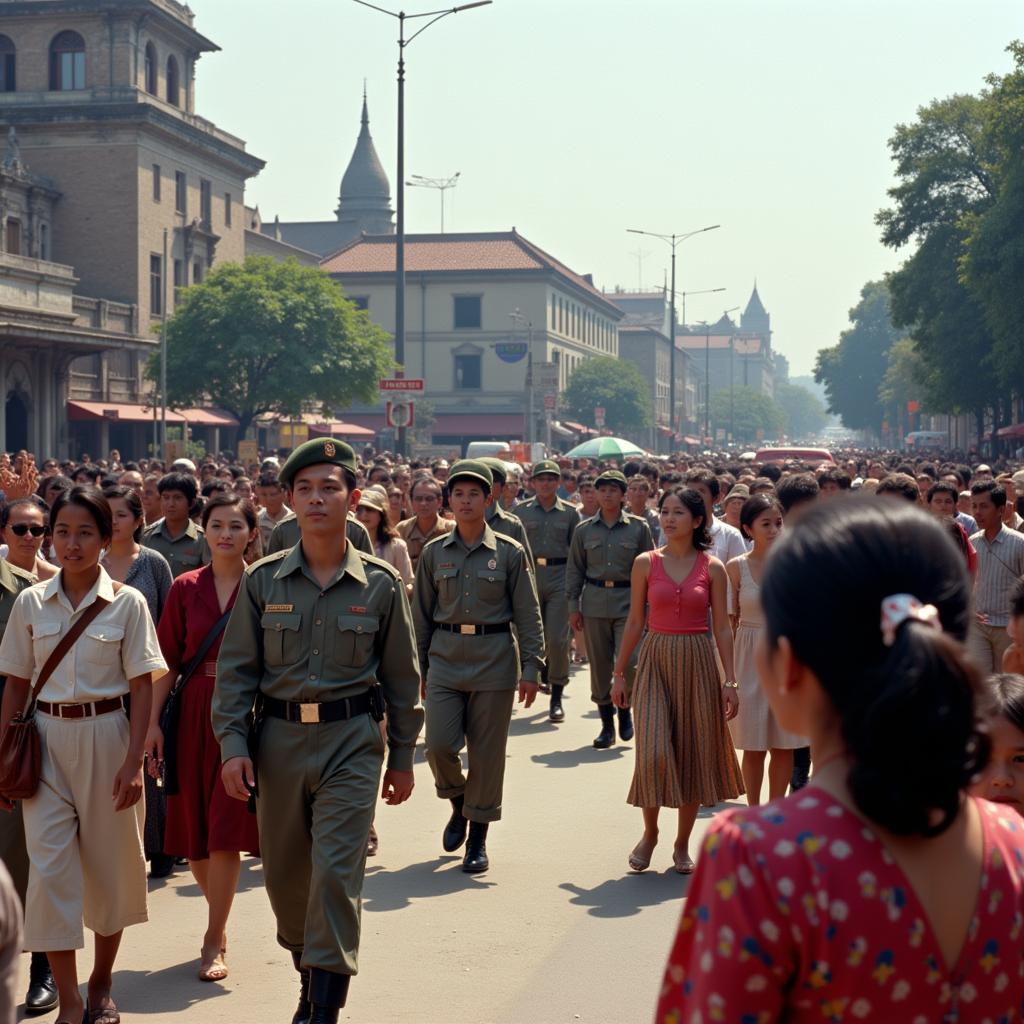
pixel 550 524
pixel 600 562
pixel 287 532
pixel 498 519
pixel 174 535
pixel 472 586
pixel 321 641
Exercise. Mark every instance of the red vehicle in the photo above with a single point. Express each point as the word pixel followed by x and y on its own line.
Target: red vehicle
pixel 812 456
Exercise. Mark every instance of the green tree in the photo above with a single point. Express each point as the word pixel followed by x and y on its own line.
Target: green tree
pixel 904 381
pixel 747 414
pixel 852 370
pixel 804 415
pixel 267 337
pixel 617 387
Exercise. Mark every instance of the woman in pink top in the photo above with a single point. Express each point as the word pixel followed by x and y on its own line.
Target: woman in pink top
pixel 881 892
pixel 684 756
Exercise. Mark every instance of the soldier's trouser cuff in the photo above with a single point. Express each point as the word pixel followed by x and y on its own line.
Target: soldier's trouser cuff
pixel 483 815
pixel 450 792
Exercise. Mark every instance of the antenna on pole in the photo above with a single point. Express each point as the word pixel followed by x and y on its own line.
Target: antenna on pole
pixel 639 254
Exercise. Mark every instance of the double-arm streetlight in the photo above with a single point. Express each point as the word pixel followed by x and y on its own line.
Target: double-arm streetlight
pixel 438 184
pixel 673 240
pixel 402 17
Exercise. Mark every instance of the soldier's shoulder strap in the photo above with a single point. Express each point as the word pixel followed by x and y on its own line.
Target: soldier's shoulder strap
pixel 373 562
pixel 268 560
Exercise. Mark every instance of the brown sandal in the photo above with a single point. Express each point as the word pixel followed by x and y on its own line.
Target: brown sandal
pixel 108 1015
pixel 210 969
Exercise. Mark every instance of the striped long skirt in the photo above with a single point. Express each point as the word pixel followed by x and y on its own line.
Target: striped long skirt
pixel 684 753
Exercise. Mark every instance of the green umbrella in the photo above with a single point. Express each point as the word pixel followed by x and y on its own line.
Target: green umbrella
pixel 605 448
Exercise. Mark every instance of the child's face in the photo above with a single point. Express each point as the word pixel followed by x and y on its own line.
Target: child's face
pixel 1003 778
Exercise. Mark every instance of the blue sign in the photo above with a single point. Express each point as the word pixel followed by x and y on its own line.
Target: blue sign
pixel 510 351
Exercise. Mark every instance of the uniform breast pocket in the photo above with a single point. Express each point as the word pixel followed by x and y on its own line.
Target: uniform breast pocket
pixel 447 583
pixel 45 637
pixel 281 638
pixel 595 553
pixel 103 644
pixel 490 584
pixel 354 640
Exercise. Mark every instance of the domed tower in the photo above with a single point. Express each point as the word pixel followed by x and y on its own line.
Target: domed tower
pixel 364 202
pixel 755 318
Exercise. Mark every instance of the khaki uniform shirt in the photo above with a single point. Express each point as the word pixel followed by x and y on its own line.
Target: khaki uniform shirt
pixel 12 582
pixel 292 640
pixel 287 534
pixel 508 524
pixel 602 552
pixel 550 531
pixel 118 645
pixel 183 554
pixel 488 584
pixel 266 523
pixel 416 540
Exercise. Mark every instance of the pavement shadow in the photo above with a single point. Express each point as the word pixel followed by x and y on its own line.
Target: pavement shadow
pixel 250 877
pixel 386 890
pixel 582 755
pixel 169 990
pixel 529 725
pixel 628 895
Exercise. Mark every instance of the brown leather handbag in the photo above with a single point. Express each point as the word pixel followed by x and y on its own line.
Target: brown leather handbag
pixel 20 753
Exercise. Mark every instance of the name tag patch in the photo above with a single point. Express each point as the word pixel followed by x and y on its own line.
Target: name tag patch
pixel 447 565
pixel 279 608
pixel 357 609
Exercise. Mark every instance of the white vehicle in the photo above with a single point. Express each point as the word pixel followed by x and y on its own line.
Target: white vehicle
pixel 496 449
pixel 926 439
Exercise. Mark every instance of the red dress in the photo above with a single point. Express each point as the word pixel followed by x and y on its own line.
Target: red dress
pixel 201 817
pixel 798 913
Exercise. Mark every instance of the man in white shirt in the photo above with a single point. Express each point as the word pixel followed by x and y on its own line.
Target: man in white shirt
pixel 272 506
pixel 726 540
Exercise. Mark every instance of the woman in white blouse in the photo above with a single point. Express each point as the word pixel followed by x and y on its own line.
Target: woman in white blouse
pixel 83 827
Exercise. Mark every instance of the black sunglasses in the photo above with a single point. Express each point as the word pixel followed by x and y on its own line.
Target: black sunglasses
pixel 22 528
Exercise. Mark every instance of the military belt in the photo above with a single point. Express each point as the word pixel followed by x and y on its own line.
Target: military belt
pixel 551 561
pixel 313 712
pixel 608 584
pixel 468 629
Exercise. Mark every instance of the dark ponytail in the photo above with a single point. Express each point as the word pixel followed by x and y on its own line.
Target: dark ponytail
pixel 908 710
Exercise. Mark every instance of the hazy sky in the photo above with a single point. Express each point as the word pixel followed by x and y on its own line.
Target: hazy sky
pixel 575 119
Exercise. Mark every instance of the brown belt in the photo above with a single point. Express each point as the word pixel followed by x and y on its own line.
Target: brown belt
pixel 88 710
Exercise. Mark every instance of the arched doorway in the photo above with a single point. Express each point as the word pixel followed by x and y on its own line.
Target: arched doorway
pixel 16 422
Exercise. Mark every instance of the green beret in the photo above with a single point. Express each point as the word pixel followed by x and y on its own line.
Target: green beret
pixel 499 472
pixel 611 476
pixel 472 469
pixel 546 466
pixel 312 453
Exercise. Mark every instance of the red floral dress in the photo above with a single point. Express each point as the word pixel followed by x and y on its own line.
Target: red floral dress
pixel 798 912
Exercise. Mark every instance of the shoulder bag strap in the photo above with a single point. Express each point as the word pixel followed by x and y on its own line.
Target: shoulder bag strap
pixel 197 659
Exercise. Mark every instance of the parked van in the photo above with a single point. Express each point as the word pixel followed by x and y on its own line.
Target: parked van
pixel 917 439
pixel 495 449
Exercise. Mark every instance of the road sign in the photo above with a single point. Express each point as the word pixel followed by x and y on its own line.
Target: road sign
pixel 401 385
pixel 550 401
pixel 248 452
pixel 398 414
pixel 545 376
pixel 599 416
pixel 174 450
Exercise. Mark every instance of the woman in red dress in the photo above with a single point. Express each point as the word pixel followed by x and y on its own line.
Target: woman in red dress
pixel 882 891
pixel 204 824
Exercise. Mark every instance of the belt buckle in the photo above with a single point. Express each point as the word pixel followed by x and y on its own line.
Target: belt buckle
pixel 609 584
pixel 467 630
pixel 542 561
pixel 309 714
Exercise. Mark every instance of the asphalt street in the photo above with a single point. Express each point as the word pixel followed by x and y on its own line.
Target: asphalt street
pixel 557 931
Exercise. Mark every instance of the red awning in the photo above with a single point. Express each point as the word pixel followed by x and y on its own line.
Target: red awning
pixel 1016 430
pixel 578 427
pixel 666 430
pixel 208 418
pixel 691 440
pixel 337 428
pixel 123 412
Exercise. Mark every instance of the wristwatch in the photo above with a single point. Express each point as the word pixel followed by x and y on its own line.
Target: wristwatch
pixel 731 684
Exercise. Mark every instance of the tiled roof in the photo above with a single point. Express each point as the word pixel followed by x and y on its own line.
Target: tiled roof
pixel 468 252
pixel 698 342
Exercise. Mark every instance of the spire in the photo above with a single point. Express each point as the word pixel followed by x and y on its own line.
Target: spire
pixel 365 194
pixel 366 115
pixel 755 307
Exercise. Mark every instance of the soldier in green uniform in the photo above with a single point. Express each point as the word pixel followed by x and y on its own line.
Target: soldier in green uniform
pixel 321 640
pixel 550 524
pixel 472 586
pixel 42 992
pixel 286 535
pixel 600 562
pixel 498 519
pixel 175 536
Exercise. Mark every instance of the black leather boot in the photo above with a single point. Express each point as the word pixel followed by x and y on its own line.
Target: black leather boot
pixel 606 737
pixel 625 724
pixel 42 992
pixel 476 849
pixel 455 831
pixel 303 1011
pixel 556 714
pixel 327 992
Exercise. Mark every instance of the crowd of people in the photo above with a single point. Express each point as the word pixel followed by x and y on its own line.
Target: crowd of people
pixel 854 627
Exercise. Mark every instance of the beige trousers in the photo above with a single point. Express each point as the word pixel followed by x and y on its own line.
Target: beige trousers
pixel 87 862
pixel 987 645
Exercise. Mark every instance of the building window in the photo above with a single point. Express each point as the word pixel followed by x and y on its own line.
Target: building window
pixel 467 373
pixel 8 55
pixel 44 241
pixel 156 284
pixel 180 193
pixel 179 280
pixel 360 301
pixel 67 62
pixel 467 311
pixel 173 81
pixel 197 272
pixel 150 63
pixel 205 203
pixel 227 209
pixel 13 236
pixel 156 183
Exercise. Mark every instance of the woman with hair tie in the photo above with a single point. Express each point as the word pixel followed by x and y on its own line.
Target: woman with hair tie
pixel 882 891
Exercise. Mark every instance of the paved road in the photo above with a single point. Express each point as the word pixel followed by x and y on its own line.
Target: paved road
pixel 558 931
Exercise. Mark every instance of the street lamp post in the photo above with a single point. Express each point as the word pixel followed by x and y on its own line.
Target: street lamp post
pixel 673 240
pixel 517 318
pixel 402 17
pixel 440 184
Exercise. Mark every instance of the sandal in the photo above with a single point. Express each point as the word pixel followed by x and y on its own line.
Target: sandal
pixel 637 862
pixel 372 843
pixel 682 863
pixel 210 968
pixel 107 1015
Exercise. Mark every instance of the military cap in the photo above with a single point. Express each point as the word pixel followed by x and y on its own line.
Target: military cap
pixel 499 472
pixel 611 476
pixel 740 492
pixel 311 453
pixel 546 466
pixel 471 469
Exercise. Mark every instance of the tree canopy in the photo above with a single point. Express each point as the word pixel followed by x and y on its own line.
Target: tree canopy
pixel 803 414
pixel 268 337
pixel 749 414
pixel 616 386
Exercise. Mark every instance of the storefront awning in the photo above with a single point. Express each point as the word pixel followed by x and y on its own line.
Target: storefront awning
pixel 691 440
pixel 1015 430
pixel 557 428
pixel 208 418
pixel 577 427
pixel 338 428
pixel 122 412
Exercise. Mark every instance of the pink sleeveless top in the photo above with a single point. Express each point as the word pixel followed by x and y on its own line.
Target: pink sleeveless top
pixel 679 607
